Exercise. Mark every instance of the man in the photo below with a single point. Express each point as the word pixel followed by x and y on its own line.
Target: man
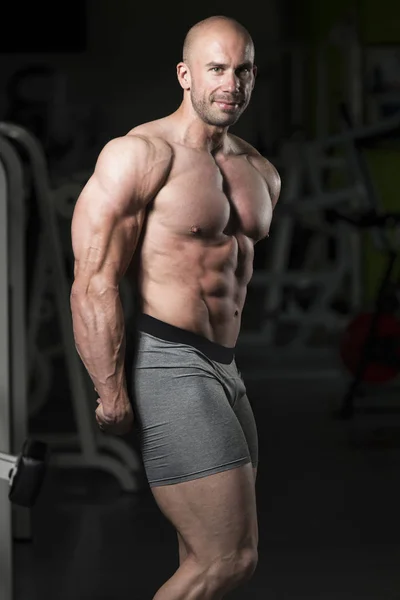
pixel 184 201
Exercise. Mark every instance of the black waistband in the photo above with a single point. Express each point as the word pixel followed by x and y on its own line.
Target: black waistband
pixel 170 333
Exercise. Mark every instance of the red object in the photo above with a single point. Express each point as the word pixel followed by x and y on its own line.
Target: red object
pixel 384 358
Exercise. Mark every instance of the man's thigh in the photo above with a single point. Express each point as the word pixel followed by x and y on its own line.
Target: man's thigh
pixel 215 516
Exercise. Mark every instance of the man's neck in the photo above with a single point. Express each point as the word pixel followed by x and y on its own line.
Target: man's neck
pixel 195 133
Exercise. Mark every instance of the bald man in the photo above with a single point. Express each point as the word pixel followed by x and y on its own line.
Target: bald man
pixel 184 201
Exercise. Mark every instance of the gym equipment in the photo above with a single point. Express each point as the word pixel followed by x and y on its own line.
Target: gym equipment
pixel 291 338
pixel 109 453
pixel 383 361
pixel 23 167
pixel 14 519
pixel 370 347
pixel 25 472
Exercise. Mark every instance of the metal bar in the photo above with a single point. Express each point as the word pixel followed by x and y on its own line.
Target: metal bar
pixel 6 548
pixel 8 458
pixel 85 423
pixel 21 524
pixel 281 246
pixel 261 278
pixel 7 463
pixel 325 199
pixel 344 237
pixel 17 308
pixel 365 132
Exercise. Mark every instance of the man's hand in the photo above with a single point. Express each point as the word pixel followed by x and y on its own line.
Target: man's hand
pixel 117 419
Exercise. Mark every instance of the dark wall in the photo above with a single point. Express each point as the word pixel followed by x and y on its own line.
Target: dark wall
pixel 126 73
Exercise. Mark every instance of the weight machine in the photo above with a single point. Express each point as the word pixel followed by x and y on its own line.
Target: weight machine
pixel 370 346
pixel 307 202
pixel 25 473
pixel 23 461
pixel 12 380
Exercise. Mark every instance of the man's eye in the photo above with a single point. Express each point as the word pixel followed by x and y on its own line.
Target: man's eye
pixel 216 69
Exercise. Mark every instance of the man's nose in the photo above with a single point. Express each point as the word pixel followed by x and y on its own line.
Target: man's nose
pixel 231 82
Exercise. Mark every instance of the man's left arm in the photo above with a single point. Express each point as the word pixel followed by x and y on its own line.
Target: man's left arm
pixel 270 174
pixel 273 181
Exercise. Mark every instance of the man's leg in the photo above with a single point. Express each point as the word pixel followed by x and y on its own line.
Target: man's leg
pixel 195 419
pixel 216 517
pixel 183 552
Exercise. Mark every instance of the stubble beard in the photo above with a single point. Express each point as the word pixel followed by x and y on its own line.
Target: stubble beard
pixel 209 112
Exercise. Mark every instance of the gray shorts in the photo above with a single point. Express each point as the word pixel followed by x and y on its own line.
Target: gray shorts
pixel 192 413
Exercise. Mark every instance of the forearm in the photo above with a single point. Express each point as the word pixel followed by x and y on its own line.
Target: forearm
pixel 99 331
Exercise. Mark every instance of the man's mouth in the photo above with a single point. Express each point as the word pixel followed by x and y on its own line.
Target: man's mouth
pixel 227 104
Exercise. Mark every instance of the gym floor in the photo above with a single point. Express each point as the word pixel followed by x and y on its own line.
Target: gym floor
pixel 328 502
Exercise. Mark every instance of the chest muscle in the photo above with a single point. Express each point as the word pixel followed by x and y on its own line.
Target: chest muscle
pixel 207 199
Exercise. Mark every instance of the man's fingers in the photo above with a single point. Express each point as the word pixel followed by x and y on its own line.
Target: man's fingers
pixel 107 425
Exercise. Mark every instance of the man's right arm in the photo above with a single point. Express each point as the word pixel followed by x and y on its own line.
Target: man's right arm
pixel 106 225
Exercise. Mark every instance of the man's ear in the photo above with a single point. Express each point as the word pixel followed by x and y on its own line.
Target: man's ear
pixel 183 73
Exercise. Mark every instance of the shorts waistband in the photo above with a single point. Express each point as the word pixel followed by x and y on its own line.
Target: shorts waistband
pixel 170 333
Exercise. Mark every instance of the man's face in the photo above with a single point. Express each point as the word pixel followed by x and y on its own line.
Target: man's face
pixel 222 77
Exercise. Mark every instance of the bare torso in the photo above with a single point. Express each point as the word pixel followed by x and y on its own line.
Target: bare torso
pixel 195 257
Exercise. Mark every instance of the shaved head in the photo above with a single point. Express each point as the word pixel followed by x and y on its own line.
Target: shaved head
pixel 216 23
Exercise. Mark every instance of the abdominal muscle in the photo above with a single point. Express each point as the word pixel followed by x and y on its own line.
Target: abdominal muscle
pixel 195 284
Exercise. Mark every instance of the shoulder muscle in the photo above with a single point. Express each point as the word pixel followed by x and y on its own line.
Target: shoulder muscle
pixel 270 174
pixel 132 169
pixel 262 165
pixel 110 210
